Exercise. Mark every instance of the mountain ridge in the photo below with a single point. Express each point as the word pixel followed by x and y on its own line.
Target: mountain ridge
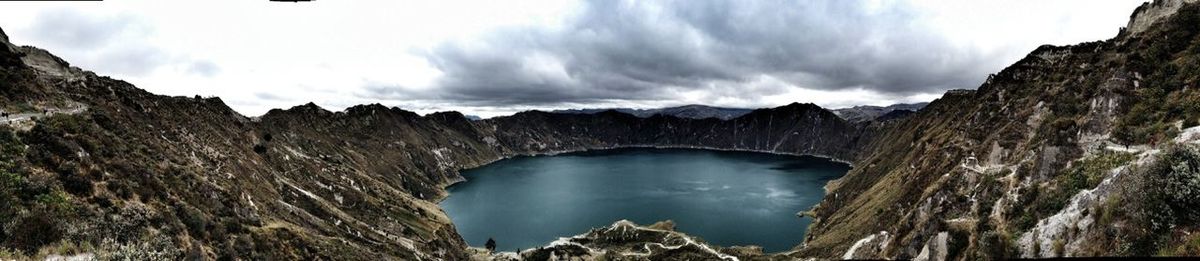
pixel 692 111
pixel 863 113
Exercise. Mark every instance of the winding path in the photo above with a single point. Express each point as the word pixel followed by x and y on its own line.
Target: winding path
pixel 14 119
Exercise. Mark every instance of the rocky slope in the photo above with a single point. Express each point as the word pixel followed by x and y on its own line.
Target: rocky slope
pixel 134 173
pixel 625 240
pixel 1065 153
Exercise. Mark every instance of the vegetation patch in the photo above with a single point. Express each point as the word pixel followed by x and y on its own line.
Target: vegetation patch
pixel 1152 203
pixel 1178 183
pixel 1051 197
pixel 1168 94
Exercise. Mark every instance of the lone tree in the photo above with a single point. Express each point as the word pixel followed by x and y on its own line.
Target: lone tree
pixel 490 245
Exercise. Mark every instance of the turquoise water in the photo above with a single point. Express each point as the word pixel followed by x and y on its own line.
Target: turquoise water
pixel 726 198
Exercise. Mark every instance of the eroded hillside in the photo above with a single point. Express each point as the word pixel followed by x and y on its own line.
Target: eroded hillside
pixel 1057 155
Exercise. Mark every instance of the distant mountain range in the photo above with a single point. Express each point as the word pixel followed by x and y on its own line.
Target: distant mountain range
pixel 695 111
pixel 866 113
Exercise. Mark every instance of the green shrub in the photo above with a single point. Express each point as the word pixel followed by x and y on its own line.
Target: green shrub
pixel 994 245
pixel 56 202
pixel 32 230
pixel 1179 172
pixel 1165 196
pixel 12 183
pixel 197 222
pixel 73 180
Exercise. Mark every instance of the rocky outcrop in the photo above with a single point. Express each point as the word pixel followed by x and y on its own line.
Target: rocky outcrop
pixel 625 240
pixel 1150 13
pixel 51 66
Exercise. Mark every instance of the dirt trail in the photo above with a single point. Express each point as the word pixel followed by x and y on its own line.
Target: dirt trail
pixel 25 119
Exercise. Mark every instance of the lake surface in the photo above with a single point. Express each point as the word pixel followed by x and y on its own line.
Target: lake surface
pixel 726 198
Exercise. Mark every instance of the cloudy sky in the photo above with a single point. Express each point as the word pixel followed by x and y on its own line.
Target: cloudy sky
pixel 496 57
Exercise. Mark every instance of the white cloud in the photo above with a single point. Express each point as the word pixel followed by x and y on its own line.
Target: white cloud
pixel 259 55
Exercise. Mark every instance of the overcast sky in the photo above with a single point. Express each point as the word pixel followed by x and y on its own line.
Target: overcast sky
pixel 497 57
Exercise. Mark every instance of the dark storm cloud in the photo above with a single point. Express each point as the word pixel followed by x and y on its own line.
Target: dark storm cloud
pixel 648 50
pixel 832 44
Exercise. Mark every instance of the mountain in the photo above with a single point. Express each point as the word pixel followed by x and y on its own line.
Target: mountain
pixel 868 113
pixel 1071 151
pixel 1083 150
pixel 686 111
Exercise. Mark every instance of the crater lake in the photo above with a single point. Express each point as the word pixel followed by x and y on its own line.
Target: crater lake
pixel 726 198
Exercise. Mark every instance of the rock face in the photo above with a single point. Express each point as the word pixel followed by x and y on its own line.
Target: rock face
pixel 625 240
pixel 1151 12
pixel 1072 151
